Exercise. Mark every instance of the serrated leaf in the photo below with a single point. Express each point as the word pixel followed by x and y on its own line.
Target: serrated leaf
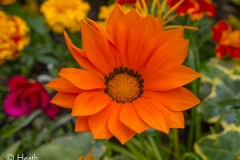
pixel 222 146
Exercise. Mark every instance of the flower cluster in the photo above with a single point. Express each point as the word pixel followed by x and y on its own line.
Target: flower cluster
pixel 195 8
pixel 62 14
pixel 132 73
pixel 24 97
pixel 13 38
pixel 227 39
pixel 6 2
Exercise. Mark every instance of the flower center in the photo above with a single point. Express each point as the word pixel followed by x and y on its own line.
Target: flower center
pixel 124 85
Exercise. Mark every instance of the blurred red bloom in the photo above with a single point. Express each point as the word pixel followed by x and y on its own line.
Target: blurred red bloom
pixel 131 2
pixel 195 8
pixel 227 39
pixel 24 97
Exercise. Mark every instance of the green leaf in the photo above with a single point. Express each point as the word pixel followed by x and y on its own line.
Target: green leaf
pixel 37 24
pixel 56 152
pixel 217 68
pixel 68 147
pixel 47 59
pixel 223 79
pixel 10 150
pixel 222 146
pixel 223 97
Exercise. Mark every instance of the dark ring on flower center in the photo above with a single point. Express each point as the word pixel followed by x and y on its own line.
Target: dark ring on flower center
pixel 124 85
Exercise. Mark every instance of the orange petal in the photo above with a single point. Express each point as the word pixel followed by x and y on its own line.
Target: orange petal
pixel 80 57
pixel 159 25
pixel 65 100
pixel 176 119
pixel 111 44
pixel 98 123
pixel 113 20
pixel 62 85
pixel 116 127
pixel 169 54
pixel 141 41
pixel 89 103
pixel 130 118
pixel 97 49
pixel 168 35
pixel 183 99
pixel 82 124
pixel 82 79
pixel 100 29
pixel 170 78
pixel 123 30
pixel 153 113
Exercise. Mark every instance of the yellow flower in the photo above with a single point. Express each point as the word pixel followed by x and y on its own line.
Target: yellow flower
pixel 230 38
pixel 106 10
pixel 6 2
pixel 89 157
pixel 13 38
pixel 62 14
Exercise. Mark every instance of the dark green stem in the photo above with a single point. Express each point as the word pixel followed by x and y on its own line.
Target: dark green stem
pixel 176 141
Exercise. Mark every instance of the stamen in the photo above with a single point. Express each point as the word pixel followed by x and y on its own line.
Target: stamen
pixel 170 19
pixel 172 9
pixel 124 85
pixel 178 26
pixel 162 8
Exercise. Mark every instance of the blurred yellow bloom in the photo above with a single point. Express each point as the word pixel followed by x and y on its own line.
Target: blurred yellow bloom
pixel 230 38
pixel 89 157
pixel 106 10
pixel 6 2
pixel 13 38
pixel 64 14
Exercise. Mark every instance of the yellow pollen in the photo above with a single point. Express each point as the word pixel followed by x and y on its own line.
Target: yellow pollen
pixel 123 88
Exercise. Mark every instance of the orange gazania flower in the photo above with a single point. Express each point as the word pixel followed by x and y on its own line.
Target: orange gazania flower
pixel 195 8
pixel 227 39
pixel 132 80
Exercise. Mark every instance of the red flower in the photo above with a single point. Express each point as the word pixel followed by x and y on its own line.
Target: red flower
pixel 24 97
pixel 227 39
pixel 195 8
pixel 122 2
pixel 131 2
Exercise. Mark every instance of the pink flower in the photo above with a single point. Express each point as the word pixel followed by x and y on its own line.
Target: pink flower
pixel 24 97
